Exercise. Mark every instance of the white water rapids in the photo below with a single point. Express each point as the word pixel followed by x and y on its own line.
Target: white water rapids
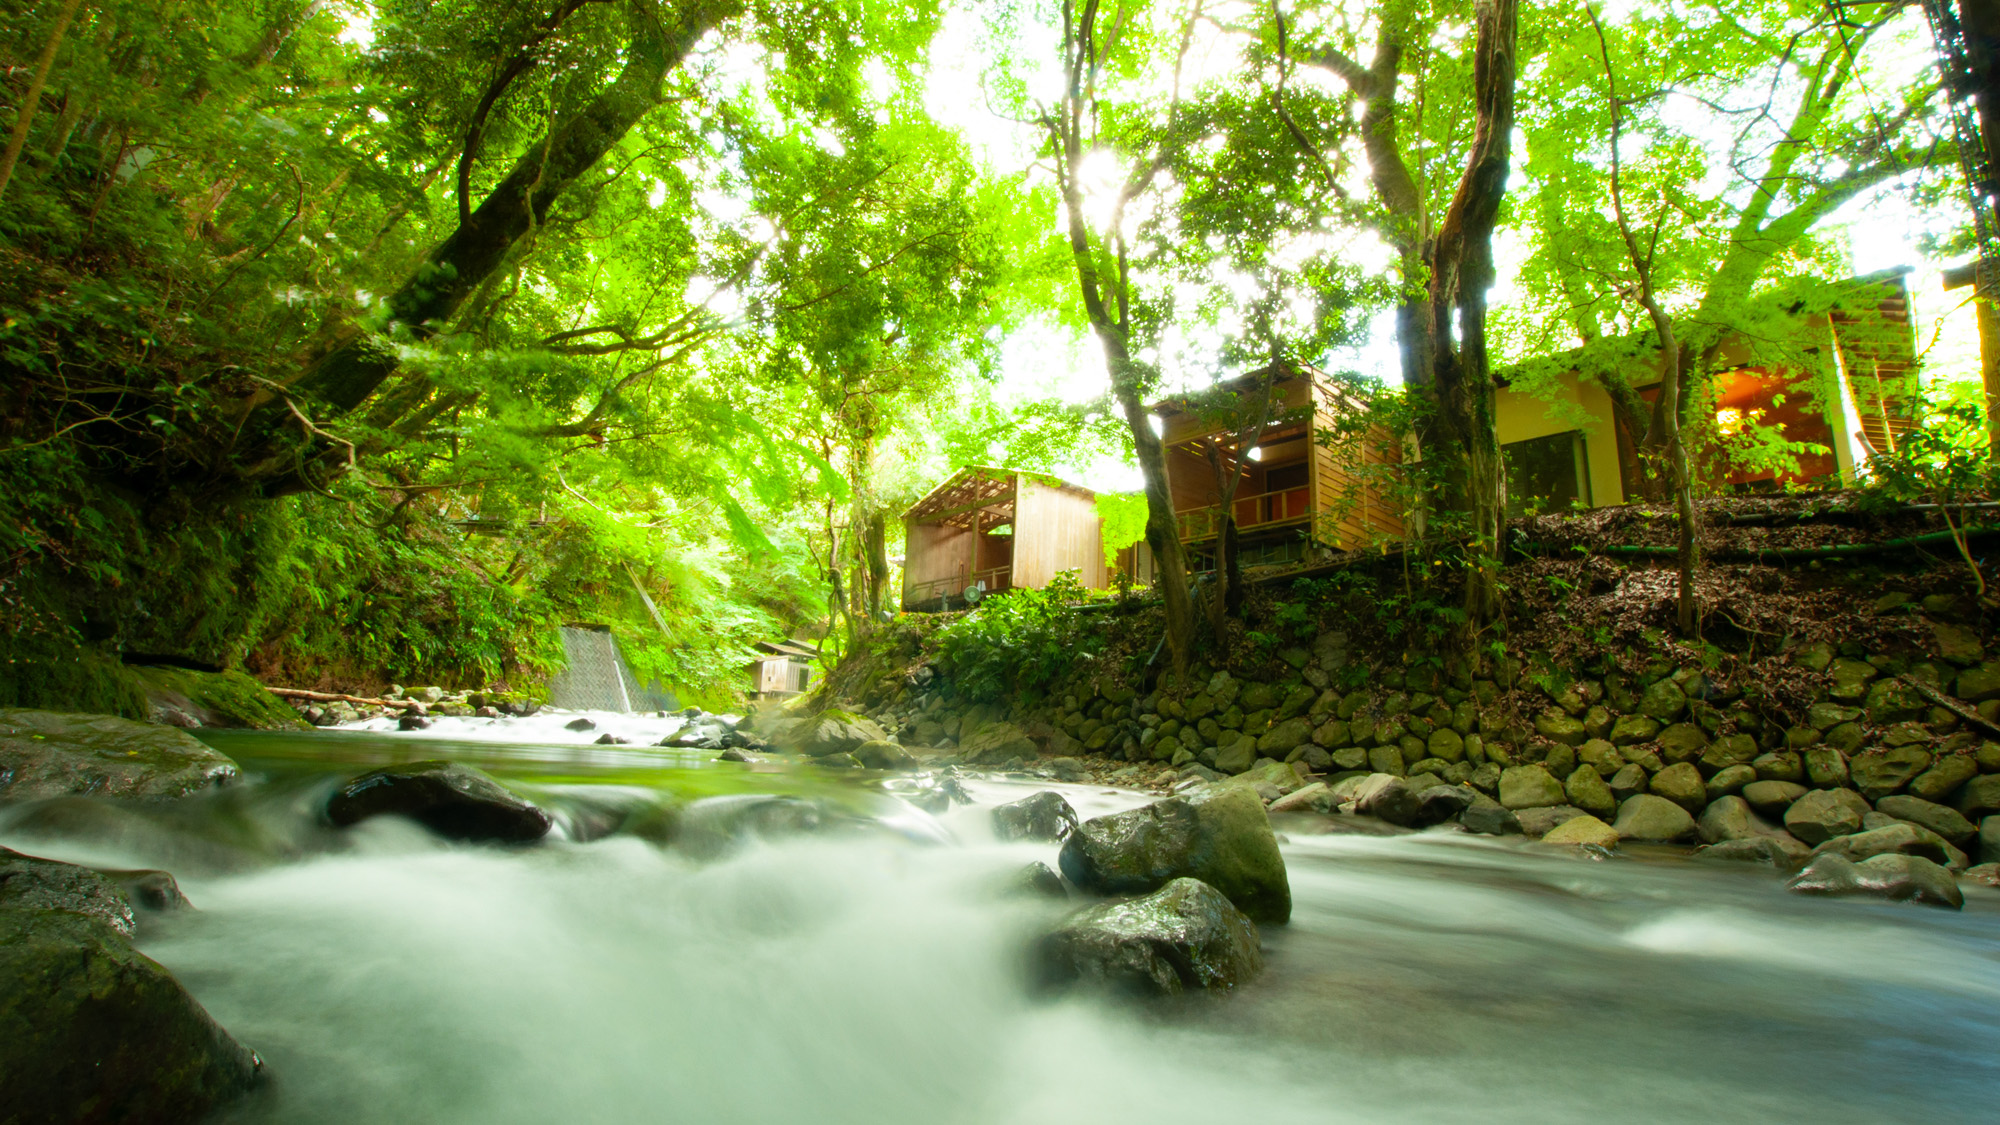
pixel 872 978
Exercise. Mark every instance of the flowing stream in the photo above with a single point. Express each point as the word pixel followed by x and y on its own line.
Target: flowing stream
pixel 874 975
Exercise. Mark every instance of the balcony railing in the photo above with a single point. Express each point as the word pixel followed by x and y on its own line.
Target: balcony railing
pixel 992 580
pixel 1290 505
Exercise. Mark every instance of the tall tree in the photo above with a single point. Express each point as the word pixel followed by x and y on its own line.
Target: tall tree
pixel 1445 260
pixel 1087 130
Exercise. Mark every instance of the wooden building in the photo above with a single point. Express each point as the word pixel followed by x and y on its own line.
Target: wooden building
pixel 782 668
pixel 1309 487
pixel 1836 381
pixel 992 530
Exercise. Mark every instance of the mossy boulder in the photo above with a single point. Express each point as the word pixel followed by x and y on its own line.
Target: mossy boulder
pixel 1878 773
pixel 214 699
pixel 1220 835
pixel 1186 936
pixel 60 754
pixel 91 1029
pixel 837 732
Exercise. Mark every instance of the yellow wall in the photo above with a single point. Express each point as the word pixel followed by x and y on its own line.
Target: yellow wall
pixel 1580 406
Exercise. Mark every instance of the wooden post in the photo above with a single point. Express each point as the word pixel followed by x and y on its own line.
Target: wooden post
pixel 1984 277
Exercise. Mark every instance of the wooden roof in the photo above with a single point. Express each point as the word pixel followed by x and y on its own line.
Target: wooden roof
pixel 786 648
pixel 977 497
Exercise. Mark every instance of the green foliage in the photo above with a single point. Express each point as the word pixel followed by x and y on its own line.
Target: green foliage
pixel 1124 517
pixel 1018 641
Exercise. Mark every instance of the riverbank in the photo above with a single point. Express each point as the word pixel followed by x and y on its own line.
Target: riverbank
pixel 384 974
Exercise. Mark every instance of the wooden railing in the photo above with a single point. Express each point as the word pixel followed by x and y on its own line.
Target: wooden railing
pixel 995 579
pixel 1288 505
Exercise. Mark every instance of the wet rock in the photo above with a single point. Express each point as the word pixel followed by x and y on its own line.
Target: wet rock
pixel 1893 838
pixel 1664 701
pixel 1036 880
pixel 1730 818
pixel 715 826
pixel 1631 730
pixel 90 1029
pixel 1878 773
pixel 1822 814
pixel 149 889
pixel 1945 776
pixel 1220 836
pixel 1729 751
pixel 1311 798
pixel 1989 839
pixel 1586 790
pixel 1899 878
pixel 580 725
pixel 881 754
pixel 1946 822
pixel 455 801
pixel 1529 787
pixel 1628 780
pixel 1985 875
pixel 1043 816
pixel 1981 796
pixel 1825 767
pixel 1556 726
pixel 1893 701
pixel 837 732
pixel 1781 765
pixel 1488 817
pixel 1583 830
pixel 1540 822
pixel 609 739
pixel 1236 755
pixel 1780 851
pixel 1772 798
pixel 1851 679
pixel 1682 784
pixel 1388 798
pixel 1653 818
pixel 1441 803
pixel 1731 780
pixel 1186 936
pixel 1282 739
pixel 1682 742
pixel 58 754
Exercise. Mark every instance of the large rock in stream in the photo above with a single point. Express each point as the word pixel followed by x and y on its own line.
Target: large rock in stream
pixel 91 1029
pixel 1219 835
pixel 453 800
pixel 57 754
pixel 1899 878
pixel 1044 816
pixel 1185 936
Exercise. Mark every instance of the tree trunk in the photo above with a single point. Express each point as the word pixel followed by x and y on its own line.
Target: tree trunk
pixel 877 540
pixel 1461 274
pixel 342 378
pixel 32 100
pixel 1163 535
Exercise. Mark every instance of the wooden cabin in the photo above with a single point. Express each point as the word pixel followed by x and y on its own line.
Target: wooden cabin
pixel 1842 380
pixel 992 530
pixel 1308 488
pixel 782 668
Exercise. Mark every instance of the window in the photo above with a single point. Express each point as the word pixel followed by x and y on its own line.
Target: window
pixel 1546 473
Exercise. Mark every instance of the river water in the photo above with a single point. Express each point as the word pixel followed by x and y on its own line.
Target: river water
pixel 874 976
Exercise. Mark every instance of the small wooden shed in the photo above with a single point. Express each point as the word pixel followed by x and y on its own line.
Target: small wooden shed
pixel 782 668
pixel 993 530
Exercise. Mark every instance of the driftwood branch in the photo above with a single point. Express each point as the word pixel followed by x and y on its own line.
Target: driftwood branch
pixel 336 697
pixel 1966 714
